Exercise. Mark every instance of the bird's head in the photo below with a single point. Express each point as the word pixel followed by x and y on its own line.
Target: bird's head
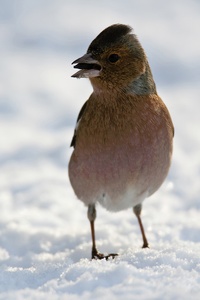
pixel 114 60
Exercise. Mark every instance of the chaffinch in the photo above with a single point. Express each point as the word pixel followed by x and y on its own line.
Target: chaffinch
pixel 124 133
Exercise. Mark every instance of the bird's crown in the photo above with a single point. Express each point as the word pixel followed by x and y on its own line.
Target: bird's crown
pixel 109 36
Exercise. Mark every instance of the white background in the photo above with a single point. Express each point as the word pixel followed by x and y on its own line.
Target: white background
pixel 45 239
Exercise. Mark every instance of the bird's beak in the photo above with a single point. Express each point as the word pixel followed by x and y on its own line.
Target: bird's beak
pixel 88 66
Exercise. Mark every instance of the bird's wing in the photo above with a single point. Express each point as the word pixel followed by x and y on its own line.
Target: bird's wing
pixel 73 142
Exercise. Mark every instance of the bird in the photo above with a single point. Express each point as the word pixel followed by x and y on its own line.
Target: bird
pixel 123 138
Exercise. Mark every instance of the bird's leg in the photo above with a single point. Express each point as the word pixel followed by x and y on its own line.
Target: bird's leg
pixel 92 217
pixel 137 210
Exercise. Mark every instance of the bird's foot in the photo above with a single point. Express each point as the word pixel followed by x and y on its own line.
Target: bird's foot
pixel 97 255
pixel 145 245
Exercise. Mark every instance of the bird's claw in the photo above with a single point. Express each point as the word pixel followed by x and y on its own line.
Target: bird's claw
pixel 145 245
pixel 97 255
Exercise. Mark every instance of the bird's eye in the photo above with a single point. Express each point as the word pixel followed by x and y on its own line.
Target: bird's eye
pixel 113 58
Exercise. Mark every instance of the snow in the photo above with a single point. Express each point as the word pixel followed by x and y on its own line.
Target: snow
pixel 45 239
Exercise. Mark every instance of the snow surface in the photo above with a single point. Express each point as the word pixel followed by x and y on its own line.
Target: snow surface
pixel 44 232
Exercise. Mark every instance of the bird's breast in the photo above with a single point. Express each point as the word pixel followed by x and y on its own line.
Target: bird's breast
pixel 122 151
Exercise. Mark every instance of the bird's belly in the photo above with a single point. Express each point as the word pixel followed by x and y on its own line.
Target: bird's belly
pixel 118 177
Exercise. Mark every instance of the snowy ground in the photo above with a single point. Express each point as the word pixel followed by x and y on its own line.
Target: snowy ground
pixel 44 232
